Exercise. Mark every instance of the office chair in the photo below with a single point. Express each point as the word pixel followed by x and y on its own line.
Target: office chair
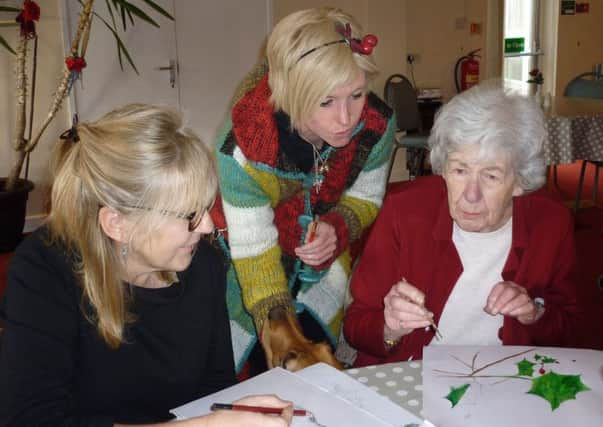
pixel 581 87
pixel 400 95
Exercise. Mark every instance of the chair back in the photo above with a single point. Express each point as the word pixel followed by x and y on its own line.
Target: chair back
pixel 400 95
pixel 581 87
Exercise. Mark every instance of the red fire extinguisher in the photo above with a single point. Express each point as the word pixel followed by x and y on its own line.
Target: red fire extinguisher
pixel 469 71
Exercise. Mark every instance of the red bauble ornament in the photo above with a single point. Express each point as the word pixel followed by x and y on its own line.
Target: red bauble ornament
pixel 370 39
pixel 75 63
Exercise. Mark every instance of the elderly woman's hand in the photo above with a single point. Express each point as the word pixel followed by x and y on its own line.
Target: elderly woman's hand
pixel 322 246
pixel 510 299
pixel 403 311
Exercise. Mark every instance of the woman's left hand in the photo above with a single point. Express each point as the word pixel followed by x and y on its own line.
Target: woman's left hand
pixel 510 299
pixel 321 248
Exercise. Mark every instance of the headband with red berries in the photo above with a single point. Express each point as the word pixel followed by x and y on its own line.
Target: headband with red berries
pixel 363 47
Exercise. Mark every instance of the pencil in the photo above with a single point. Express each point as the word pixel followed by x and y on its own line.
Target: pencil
pixel 313 226
pixel 259 409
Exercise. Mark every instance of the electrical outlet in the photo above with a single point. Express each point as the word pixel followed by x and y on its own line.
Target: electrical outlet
pixel 411 58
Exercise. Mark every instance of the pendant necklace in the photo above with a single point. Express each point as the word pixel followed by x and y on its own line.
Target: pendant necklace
pixel 321 165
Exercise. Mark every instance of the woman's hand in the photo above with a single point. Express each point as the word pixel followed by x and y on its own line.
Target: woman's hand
pixel 320 247
pixel 252 419
pixel 404 311
pixel 510 299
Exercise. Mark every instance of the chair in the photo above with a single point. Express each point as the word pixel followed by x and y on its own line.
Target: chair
pixel 400 95
pixel 582 87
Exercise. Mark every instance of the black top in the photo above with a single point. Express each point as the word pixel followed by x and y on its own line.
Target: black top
pixel 56 370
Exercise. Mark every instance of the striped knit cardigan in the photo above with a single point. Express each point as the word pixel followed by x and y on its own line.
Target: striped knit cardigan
pixel 262 197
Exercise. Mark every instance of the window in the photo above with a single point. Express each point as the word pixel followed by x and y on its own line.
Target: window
pixel 521 20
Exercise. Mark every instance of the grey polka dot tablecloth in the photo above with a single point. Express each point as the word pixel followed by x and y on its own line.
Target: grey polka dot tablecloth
pixel 401 382
pixel 573 138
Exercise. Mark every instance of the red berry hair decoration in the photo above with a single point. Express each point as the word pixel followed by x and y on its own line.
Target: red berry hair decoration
pixel 27 16
pixel 362 47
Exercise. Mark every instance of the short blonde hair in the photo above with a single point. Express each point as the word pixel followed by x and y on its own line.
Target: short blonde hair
pixel 135 157
pixel 297 84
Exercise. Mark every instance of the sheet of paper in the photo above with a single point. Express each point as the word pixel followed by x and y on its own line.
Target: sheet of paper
pixel 358 395
pixel 329 409
pixel 512 386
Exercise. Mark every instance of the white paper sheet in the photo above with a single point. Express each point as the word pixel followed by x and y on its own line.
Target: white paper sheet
pixel 358 395
pixel 329 408
pixel 498 394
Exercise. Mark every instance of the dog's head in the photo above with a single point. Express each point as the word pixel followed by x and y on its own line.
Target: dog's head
pixel 286 346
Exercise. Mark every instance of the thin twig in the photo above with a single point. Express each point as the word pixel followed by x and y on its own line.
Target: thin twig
pixel 502 360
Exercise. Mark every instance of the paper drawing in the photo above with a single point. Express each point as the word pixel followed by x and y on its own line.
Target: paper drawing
pixel 512 385
pixel 553 387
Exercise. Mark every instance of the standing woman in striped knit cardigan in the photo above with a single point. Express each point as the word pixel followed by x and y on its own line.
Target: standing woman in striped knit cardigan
pixel 302 161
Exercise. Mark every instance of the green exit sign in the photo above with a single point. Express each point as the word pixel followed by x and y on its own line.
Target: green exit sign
pixel 515 45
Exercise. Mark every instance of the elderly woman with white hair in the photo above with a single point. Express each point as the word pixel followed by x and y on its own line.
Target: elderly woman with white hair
pixel 474 251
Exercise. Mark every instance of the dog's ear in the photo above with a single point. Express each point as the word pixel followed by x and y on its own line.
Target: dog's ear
pixel 286 346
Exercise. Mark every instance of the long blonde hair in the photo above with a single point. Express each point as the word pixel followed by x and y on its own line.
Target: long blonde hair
pixel 136 156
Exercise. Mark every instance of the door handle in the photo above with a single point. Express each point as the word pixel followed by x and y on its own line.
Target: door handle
pixel 173 69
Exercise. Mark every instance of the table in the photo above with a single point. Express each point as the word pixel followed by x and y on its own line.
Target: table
pixel 574 130
pixel 401 382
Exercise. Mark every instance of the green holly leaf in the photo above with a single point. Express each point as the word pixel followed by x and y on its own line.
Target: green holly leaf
pixel 549 360
pixel 456 393
pixel 537 357
pixel 525 367
pixel 557 388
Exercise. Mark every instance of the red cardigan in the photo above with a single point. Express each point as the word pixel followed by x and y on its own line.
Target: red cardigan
pixel 412 238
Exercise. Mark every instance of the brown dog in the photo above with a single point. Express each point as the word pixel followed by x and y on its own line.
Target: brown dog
pixel 286 346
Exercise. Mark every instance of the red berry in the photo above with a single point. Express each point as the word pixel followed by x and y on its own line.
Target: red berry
pixel 366 49
pixel 370 39
pixel 75 63
pixel 541 371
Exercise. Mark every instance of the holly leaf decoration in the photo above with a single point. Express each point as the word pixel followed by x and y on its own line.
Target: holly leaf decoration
pixel 548 360
pixel 557 388
pixel 525 367
pixel 456 393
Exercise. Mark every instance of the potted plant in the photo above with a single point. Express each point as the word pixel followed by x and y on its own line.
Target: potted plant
pixel 14 188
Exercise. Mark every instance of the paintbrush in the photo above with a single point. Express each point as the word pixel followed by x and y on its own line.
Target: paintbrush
pixel 438 334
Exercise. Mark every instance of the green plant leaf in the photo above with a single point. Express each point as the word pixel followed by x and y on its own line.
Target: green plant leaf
pixel 557 388
pixel 546 359
pixel 123 14
pixel 6 45
pixel 111 14
pixel 456 393
pixel 9 9
pixel 131 17
pixel 525 367
pixel 159 9
pixel 130 8
pixel 120 46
